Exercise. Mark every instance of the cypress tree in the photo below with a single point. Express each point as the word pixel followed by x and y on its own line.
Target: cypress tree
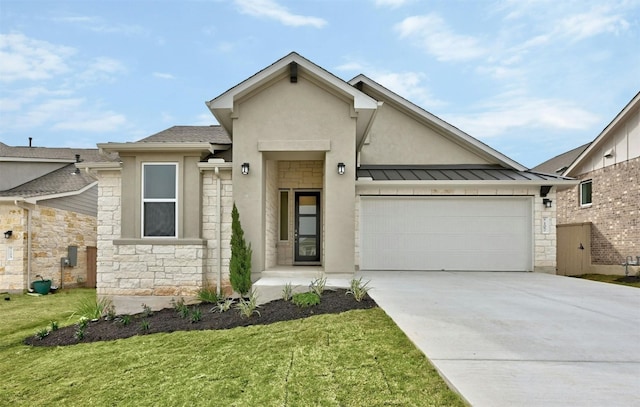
pixel 240 262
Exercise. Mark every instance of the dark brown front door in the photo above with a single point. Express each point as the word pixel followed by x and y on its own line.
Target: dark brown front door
pixel 307 231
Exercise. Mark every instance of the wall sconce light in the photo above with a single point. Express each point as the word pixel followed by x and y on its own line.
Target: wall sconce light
pixel 8 234
pixel 546 202
pixel 245 168
pixel 341 168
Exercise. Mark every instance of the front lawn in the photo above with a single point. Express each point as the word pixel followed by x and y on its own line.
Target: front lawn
pixel 631 280
pixel 357 358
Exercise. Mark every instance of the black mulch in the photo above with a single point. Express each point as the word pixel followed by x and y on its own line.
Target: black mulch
pixel 168 320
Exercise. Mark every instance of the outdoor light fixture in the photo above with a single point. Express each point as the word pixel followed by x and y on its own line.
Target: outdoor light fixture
pixel 546 202
pixel 8 234
pixel 245 168
pixel 341 168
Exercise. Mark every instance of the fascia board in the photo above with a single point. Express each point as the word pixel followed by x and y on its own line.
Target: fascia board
pixel 37 160
pixel 155 147
pixel 35 199
pixel 435 120
pixel 483 183
pixel 630 107
pixel 108 165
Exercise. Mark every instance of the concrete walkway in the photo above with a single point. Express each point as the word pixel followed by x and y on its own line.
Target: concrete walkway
pixel 521 339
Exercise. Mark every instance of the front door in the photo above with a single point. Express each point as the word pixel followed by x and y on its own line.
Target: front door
pixel 307 231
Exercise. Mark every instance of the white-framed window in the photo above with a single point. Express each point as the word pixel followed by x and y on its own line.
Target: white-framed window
pixel 585 193
pixel 159 199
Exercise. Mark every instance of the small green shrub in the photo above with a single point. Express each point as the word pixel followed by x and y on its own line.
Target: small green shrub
pixel 83 322
pixel 110 313
pixel 92 308
pixel 209 295
pixel 146 311
pixel 180 307
pixel 247 307
pixel 223 306
pixel 145 325
pixel 54 326
pixel 196 315
pixel 358 289
pixel 287 292
pixel 81 328
pixel 42 333
pixel 79 333
pixel 317 286
pixel 307 299
pixel 124 320
pixel 240 262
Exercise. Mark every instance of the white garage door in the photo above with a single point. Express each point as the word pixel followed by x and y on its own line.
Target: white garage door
pixel 446 233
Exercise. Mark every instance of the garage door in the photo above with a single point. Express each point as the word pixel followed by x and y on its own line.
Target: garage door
pixel 446 233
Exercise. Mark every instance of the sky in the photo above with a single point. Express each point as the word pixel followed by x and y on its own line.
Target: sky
pixel 530 78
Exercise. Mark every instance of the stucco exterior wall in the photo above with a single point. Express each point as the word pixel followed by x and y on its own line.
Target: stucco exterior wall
pixel 614 212
pixel 396 137
pixel 544 244
pixel 296 114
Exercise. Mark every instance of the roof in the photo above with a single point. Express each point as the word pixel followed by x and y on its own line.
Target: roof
pixel 559 163
pixel 214 134
pixel 452 173
pixel 9 153
pixel 61 181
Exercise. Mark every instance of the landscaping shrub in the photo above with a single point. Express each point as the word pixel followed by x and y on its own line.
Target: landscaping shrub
pixel 240 262
pixel 307 299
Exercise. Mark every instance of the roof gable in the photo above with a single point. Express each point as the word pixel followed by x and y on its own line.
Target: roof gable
pixel 435 123
pixel 632 108
pixel 223 106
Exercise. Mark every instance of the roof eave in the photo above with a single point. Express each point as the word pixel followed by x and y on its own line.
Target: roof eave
pixel 156 147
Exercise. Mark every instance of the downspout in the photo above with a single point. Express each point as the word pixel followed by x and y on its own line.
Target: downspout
pixel 218 231
pixel 17 203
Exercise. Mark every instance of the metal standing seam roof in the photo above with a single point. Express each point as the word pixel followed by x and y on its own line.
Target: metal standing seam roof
pixel 450 173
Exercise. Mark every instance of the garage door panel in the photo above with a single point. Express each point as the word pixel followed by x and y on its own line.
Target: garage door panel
pixel 445 233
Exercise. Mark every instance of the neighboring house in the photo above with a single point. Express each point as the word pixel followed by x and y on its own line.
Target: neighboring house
pixel 327 175
pixel 46 206
pixel 599 219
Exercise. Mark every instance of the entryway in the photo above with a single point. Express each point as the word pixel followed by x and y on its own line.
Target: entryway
pixel 307 227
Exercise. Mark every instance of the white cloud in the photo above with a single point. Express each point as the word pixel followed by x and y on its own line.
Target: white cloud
pixel 161 75
pixel 433 34
pixel 24 58
pixel 205 119
pixel 100 70
pixel 391 3
pixel 99 25
pixel 271 9
pixel 594 22
pixel 511 112
pixel 94 122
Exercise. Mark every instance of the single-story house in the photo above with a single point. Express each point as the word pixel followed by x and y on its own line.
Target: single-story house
pixel 326 174
pixel 599 219
pixel 48 213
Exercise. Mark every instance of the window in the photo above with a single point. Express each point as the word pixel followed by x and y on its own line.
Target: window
pixel 159 200
pixel 585 193
pixel 284 215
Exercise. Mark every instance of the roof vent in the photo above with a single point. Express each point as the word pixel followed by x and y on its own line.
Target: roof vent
pixel 609 153
pixel 293 72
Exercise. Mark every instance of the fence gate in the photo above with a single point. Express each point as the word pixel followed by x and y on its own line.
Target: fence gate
pixel 92 257
pixel 574 249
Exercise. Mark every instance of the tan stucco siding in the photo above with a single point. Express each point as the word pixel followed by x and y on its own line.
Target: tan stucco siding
pixel 396 138
pixel 301 112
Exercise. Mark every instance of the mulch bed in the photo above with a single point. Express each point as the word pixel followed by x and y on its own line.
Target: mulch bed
pixel 168 320
pixel 628 279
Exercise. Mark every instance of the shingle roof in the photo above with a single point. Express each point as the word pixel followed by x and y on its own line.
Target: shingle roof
pixel 62 180
pixel 214 134
pixel 450 173
pixel 561 162
pixel 52 153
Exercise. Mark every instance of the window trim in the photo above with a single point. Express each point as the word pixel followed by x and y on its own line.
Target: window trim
pixel 588 204
pixel 172 200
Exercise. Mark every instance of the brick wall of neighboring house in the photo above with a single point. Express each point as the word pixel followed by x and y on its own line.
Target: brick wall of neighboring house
pixel 52 231
pixel 614 213
pixel 544 244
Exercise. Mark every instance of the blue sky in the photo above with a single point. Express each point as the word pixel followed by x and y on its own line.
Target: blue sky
pixel 530 78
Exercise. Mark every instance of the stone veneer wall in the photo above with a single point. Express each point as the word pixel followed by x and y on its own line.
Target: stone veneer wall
pixel 544 253
pixel 614 212
pixel 53 230
pixel 164 269
pixel 209 227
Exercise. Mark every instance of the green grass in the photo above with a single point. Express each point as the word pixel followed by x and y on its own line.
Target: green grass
pixel 358 358
pixel 604 278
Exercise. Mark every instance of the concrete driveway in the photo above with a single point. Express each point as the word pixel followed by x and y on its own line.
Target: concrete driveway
pixel 521 339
